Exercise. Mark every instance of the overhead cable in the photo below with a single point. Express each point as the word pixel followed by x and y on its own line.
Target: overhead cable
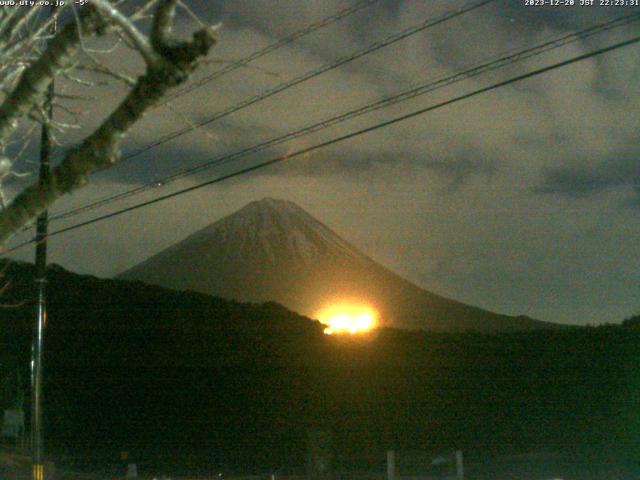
pixel 413 92
pixel 339 139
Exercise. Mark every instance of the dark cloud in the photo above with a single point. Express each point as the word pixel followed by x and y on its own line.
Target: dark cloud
pixel 453 169
pixel 590 178
pixel 572 182
pixel 171 158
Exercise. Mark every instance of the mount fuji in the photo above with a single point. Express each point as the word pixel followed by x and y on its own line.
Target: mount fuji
pixel 273 250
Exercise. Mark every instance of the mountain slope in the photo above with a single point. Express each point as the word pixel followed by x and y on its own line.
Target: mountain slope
pixel 273 250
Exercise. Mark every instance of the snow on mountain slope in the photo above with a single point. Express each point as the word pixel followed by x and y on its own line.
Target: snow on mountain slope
pixel 273 250
pixel 269 225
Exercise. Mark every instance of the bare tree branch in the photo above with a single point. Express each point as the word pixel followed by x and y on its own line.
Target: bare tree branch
pixel 169 65
pixel 36 78
pixel 162 22
pixel 139 41
pixel 143 11
pixel 13 22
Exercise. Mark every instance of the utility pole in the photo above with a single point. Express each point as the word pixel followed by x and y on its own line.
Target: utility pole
pixel 37 346
pixel 391 465
pixel 459 465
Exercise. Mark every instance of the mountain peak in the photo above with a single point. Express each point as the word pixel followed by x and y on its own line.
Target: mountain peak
pixel 275 203
pixel 273 250
pixel 259 237
pixel 279 228
pixel 276 206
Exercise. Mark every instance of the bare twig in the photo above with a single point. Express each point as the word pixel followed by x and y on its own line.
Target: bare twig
pixel 142 12
pixel 69 111
pixel 105 51
pixel 193 16
pixel 35 79
pixel 169 63
pixel 81 81
pixel 187 121
pixel 26 141
pixel 99 67
pixel 9 25
pixel 70 96
pixel 133 34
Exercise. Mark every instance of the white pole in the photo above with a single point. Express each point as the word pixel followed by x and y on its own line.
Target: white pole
pixel 132 471
pixel 459 465
pixel 391 465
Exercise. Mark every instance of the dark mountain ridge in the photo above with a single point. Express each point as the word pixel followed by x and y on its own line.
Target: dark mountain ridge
pixel 273 250
pixel 191 382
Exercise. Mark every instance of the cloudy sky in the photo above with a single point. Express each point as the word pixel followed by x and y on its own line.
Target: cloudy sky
pixel 522 200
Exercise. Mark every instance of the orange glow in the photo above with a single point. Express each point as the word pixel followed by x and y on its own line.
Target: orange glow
pixel 347 318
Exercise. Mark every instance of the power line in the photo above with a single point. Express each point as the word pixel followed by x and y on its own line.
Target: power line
pixel 429 23
pixel 382 103
pixel 270 48
pixel 325 22
pixel 342 138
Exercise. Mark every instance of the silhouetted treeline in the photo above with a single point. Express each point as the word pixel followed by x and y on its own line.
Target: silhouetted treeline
pixel 185 378
pixel 633 321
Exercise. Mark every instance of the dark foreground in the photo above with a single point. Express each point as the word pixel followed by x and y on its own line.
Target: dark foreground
pixel 190 384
